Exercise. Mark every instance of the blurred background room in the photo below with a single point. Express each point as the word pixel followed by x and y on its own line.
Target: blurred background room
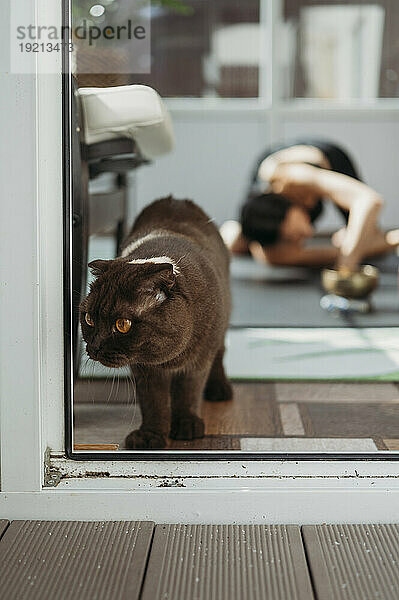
pixel 237 77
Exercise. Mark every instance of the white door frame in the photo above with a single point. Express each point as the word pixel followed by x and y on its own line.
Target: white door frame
pixel 31 384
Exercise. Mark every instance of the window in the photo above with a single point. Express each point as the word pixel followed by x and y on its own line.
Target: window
pixel 220 50
pixel 199 48
pixel 340 50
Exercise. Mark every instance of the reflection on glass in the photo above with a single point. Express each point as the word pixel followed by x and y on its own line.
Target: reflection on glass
pixel 199 48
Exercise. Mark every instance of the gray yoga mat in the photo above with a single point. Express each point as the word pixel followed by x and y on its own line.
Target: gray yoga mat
pixel 290 297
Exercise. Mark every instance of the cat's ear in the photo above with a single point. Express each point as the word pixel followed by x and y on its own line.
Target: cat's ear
pixel 157 282
pixel 99 266
pixel 161 275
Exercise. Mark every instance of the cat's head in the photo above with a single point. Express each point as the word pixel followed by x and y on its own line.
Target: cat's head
pixel 135 312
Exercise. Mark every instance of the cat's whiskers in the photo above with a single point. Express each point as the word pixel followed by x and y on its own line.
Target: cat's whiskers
pixel 131 387
pixel 82 367
pixel 132 381
pixel 127 379
pixel 117 383
pixel 112 386
pixel 91 377
pixel 108 377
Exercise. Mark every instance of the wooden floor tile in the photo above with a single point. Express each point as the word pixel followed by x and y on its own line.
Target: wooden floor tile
pixel 302 444
pixel 391 444
pixel 251 411
pixel 353 420
pixel 335 392
pixel 209 442
pixel 291 420
pixel 255 412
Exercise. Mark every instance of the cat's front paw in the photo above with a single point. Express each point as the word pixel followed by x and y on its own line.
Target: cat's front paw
pixel 140 439
pixel 218 390
pixel 187 427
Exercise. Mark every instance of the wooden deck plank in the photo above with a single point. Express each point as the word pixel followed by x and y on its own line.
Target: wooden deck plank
pixel 74 559
pixel 356 562
pixel 227 562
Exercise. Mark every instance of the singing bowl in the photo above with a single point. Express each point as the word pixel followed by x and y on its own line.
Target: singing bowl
pixel 359 284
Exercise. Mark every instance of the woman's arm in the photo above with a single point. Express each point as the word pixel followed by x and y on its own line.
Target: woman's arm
pixel 293 154
pixel 291 255
pixel 362 202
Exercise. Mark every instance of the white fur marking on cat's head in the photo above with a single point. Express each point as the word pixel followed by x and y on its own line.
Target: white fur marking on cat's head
pixel 149 237
pixel 157 260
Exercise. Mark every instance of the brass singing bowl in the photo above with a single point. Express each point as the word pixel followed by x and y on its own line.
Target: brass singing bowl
pixel 359 284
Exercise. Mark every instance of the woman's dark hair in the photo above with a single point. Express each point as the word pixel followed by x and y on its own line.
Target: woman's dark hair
pixel 262 215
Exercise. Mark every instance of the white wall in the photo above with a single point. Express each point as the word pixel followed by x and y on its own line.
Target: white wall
pixel 211 163
pixel 214 155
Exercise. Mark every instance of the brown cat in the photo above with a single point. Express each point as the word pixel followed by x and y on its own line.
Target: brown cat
pixel 163 307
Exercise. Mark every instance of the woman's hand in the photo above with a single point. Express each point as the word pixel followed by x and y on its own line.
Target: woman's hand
pixel 374 244
pixel 338 237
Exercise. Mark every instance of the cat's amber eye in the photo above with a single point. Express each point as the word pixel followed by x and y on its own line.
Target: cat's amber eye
pixel 123 325
pixel 89 320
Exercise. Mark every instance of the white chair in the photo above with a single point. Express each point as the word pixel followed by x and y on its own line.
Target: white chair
pixel 114 130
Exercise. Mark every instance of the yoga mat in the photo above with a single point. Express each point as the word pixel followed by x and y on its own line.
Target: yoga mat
pixel 266 296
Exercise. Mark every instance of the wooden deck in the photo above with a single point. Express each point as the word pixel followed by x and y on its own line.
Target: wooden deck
pixel 142 561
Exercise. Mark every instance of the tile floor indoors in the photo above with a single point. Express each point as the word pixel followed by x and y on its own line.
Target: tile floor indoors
pixel 324 417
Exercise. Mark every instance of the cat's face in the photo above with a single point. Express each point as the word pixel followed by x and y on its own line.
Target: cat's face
pixel 134 313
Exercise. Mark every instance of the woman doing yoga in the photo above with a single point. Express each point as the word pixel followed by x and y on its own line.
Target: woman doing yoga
pixel 288 189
